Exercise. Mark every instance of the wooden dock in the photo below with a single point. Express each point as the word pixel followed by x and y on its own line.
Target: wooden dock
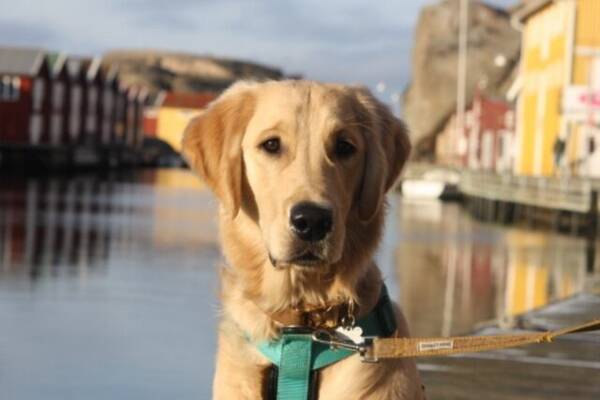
pixel 564 204
pixel 568 368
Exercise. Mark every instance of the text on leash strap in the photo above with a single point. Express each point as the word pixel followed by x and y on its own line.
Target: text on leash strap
pixel 436 345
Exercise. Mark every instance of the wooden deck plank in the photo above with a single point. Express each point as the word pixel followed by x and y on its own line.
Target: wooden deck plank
pixel 568 368
pixel 577 309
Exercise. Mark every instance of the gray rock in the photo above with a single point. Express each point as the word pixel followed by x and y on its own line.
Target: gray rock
pixel 493 53
pixel 159 70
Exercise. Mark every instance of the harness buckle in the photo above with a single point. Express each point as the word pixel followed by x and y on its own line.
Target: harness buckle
pixel 334 341
pixel 366 355
pixel 330 338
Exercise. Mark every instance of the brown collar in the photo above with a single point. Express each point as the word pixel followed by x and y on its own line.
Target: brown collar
pixel 340 314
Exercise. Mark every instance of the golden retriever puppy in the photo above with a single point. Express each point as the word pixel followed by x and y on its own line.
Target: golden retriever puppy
pixel 300 170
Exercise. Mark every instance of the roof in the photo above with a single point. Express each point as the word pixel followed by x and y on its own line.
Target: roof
pixel 90 66
pixel 22 61
pixel 159 98
pixel 132 92
pixel 56 62
pixel 187 100
pixel 514 89
pixel 110 72
pixel 143 94
pixel 529 9
pixel 74 67
pixel 93 68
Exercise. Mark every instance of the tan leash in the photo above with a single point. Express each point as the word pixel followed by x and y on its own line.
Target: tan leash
pixel 375 349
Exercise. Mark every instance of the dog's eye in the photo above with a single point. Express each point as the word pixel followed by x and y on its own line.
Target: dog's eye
pixel 343 148
pixel 271 145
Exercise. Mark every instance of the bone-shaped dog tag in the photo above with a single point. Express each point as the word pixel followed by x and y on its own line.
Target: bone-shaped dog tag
pixel 354 334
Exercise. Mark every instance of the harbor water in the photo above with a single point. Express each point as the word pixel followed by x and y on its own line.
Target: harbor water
pixel 109 284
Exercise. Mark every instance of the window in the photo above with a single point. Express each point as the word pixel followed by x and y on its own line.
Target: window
pixel 58 90
pixel 16 88
pixel 105 131
pixel 130 119
pixel 90 119
pixel 35 128
pixel 56 128
pixel 90 123
pixel 92 99
pixel 108 102
pixel 5 88
pixel 10 88
pixel 76 95
pixel 38 94
pixel 120 107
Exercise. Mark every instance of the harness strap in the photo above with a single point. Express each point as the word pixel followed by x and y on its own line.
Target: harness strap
pixel 270 384
pixel 296 353
pixel 382 348
pixel 294 367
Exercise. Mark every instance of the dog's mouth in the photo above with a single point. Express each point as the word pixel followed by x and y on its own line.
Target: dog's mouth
pixel 306 259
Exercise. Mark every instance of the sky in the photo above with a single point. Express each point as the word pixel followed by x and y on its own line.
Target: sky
pixel 346 41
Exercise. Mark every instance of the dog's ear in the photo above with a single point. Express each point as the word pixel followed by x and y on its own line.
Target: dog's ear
pixel 387 149
pixel 212 146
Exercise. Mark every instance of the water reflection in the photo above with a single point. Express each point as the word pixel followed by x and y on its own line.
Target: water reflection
pixel 48 224
pixel 54 226
pixel 455 272
pixel 107 286
pixel 111 281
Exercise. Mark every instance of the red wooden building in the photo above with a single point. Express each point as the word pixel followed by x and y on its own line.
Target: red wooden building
pixel 490 131
pixel 134 115
pixel 170 112
pixel 150 121
pixel 24 97
pixel 64 110
pixel 121 103
pixel 130 115
pixel 110 92
pixel 487 140
pixel 58 93
pixel 141 103
pixel 77 91
pixel 92 104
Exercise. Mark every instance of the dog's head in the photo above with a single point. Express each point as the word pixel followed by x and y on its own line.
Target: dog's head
pixel 305 164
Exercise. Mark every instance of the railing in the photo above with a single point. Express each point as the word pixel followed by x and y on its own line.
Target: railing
pixel 569 194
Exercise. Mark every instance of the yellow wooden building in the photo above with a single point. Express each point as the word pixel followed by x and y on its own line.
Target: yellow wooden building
pixel 171 113
pixel 558 105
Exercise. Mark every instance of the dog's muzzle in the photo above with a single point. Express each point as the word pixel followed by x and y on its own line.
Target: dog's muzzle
pixel 311 222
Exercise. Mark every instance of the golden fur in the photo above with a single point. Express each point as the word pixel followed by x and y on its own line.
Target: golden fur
pixel 256 191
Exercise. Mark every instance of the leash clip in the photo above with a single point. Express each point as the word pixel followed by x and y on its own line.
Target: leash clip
pixel 334 341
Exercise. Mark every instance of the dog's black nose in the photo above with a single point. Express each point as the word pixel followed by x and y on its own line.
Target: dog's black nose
pixel 311 222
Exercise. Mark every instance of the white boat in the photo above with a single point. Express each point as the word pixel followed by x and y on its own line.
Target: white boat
pixel 435 184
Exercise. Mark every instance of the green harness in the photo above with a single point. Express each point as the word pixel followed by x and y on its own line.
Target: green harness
pixel 296 354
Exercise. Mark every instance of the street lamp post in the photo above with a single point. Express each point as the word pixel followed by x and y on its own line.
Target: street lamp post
pixel 461 82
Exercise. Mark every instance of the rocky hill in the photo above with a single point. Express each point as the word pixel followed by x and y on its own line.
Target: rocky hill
pixel 493 54
pixel 158 70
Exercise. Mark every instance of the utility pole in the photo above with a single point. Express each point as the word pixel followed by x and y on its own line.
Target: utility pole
pixel 461 81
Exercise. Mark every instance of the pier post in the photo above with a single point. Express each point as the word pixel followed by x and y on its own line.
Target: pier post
pixel 574 222
pixel 593 215
pixel 592 232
